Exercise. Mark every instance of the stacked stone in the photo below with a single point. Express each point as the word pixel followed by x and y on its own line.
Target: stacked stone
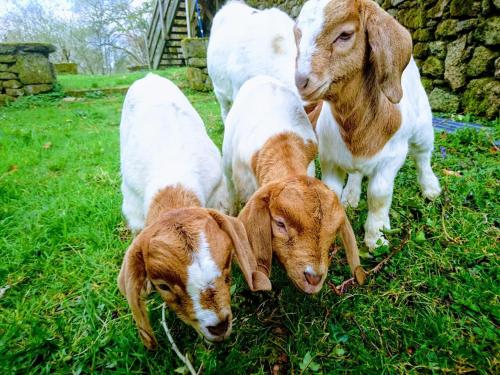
pixel 195 56
pixel 25 70
pixel 456 46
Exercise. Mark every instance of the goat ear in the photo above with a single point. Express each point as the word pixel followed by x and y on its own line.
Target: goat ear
pixel 257 222
pixel 234 228
pixel 351 250
pixel 132 282
pixel 313 110
pixel 391 49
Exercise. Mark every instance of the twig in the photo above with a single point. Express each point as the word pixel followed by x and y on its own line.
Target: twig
pixel 339 290
pixel 172 343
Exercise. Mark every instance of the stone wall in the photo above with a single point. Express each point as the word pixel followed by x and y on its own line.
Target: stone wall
pixel 195 55
pixel 25 70
pixel 456 46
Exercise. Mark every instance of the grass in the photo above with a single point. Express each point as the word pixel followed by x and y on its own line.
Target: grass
pixel 433 309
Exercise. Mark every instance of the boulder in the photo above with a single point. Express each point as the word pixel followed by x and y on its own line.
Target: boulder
pixel 194 47
pixel 489 32
pixel 482 97
pixel 447 28
pixel 12 84
pixel 66 68
pixel 7 75
pixel 37 89
pixel 438 49
pixel 412 18
pixel 460 8
pixel 481 61
pixel 444 101
pixel 34 68
pixel 433 67
pixel 454 67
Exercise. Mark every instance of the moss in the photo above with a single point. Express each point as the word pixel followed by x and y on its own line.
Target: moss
pixel 482 97
pixel 444 101
pixel 459 8
pixel 412 18
pixel 481 61
pixel 34 68
pixel 433 67
pixel 447 28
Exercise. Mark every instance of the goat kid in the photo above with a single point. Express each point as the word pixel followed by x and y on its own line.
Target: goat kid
pixel 268 154
pixel 171 170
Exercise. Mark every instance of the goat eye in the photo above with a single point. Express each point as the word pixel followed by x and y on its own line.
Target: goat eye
pixel 344 36
pixel 164 287
pixel 280 224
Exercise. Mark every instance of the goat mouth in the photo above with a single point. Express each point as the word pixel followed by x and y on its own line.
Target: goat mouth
pixel 316 93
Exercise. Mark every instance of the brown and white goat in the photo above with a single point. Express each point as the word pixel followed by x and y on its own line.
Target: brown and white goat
pixel 268 154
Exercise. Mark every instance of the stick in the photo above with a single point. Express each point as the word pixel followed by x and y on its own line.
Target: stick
pixel 172 343
pixel 339 290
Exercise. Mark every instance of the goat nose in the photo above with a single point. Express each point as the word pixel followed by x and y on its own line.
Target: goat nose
pixel 301 80
pixel 220 328
pixel 312 278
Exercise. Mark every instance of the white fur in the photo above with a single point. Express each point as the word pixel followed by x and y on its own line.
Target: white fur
pixel 241 47
pixel 163 142
pixel 264 107
pixel 415 135
pixel 201 276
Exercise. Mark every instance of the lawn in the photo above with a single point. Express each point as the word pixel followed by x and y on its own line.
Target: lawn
pixel 434 307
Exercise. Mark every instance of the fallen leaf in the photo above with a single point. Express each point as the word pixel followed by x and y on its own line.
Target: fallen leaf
pixel 47 145
pixel 13 168
pixel 447 172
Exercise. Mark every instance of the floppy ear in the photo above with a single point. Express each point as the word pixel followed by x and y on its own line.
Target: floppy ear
pixel 351 250
pixel 391 49
pixel 257 222
pixel 255 279
pixel 132 282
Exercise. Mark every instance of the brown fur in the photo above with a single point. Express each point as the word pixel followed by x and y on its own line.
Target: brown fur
pixel 161 253
pixel 310 211
pixel 313 111
pixel 283 155
pixel 364 73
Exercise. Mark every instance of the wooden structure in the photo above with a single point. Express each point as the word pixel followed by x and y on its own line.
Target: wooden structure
pixel 172 21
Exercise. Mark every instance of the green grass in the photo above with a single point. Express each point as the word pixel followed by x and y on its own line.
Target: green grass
pixel 433 309
pixel 87 81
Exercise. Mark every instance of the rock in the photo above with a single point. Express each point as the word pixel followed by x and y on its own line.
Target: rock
pixel 433 67
pixel 438 49
pixel 427 83
pixel 197 79
pixel 7 58
pixel 14 92
pixel 460 8
pixel 13 48
pixel 481 61
pixel 396 2
pixel 7 75
pixel 437 11
pixel 12 84
pixel 447 28
pixel 496 3
pixel 444 101
pixel 454 68
pixel 482 97
pixel 489 32
pixel 198 62
pixel 422 35
pixel 420 50
pixel 34 68
pixel 4 67
pixel 466 25
pixel 66 68
pixel 37 89
pixel 412 18
pixel 497 68
pixel 194 47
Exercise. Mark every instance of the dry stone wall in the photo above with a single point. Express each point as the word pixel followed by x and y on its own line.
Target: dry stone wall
pixel 456 46
pixel 195 55
pixel 25 70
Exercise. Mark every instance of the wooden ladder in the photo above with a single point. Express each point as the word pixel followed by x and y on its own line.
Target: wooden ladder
pixel 172 21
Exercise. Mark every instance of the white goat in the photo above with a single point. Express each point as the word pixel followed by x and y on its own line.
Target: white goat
pixel 356 57
pixel 170 147
pixel 246 42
